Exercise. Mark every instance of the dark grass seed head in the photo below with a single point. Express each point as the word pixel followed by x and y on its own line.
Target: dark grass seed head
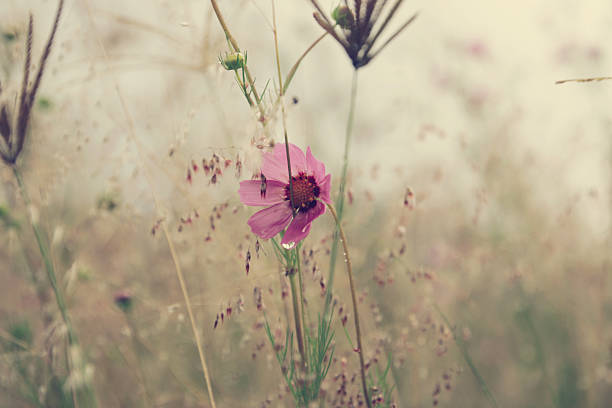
pixel 13 134
pixel 357 27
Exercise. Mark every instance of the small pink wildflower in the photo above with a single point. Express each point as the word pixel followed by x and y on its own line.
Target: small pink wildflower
pixel 311 187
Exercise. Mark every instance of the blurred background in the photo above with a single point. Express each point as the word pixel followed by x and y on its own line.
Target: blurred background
pixel 509 236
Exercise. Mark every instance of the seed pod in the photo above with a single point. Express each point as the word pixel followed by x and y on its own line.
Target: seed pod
pixel 264 186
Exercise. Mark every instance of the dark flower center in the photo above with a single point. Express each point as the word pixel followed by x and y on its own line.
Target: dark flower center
pixel 305 192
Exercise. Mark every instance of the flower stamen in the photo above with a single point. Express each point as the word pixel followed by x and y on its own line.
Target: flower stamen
pixel 305 192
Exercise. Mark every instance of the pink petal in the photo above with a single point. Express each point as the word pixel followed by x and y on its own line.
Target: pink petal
pixel 325 188
pixel 298 160
pixel 270 221
pixel 315 167
pixel 250 192
pixel 300 226
pixel 274 164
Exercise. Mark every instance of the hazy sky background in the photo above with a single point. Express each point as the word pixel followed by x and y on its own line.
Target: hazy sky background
pixel 479 73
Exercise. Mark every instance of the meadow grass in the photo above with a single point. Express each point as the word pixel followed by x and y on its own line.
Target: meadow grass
pixel 136 272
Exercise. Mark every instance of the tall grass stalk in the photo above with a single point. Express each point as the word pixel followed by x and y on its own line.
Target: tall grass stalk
pixel 349 271
pixel 530 327
pixel 46 255
pixel 89 396
pixel 234 44
pixel 139 365
pixel 177 267
pixel 341 192
pixel 468 359
pixel 196 333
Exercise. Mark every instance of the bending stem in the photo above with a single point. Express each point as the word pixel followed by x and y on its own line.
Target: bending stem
pixel 349 271
pixel 340 199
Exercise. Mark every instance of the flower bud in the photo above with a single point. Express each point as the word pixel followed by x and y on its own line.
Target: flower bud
pixel 343 16
pixel 232 62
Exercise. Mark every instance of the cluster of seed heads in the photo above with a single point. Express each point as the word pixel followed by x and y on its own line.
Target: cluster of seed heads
pixel 213 168
pixel 443 385
pixel 188 220
pixel 227 311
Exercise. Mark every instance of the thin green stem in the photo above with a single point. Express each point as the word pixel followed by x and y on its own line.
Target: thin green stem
pixel 32 388
pixel 45 253
pixel 531 327
pixel 234 44
pixel 89 394
pixel 139 365
pixel 341 192
pixel 468 359
pixel 288 165
pixel 292 72
pixel 301 286
pixel 298 302
pixel 70 368
pixel 299 61
pixel 277 55
pixel 243 87
pixel 349 271
pixel 280 85
pixel 297 318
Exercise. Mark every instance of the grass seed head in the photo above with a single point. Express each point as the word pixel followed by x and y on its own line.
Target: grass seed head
pixel 13 135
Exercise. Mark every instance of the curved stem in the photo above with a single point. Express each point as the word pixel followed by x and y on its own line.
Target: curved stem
pixel 340 199
pixel 468 359
pixel 298 62
pixel 349 271
pixel 292 72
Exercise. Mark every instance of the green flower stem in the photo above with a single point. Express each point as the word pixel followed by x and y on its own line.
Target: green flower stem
pixel 297 318
pixel 341 193
pixel 298 301
pixel 305 320
pixel 349 271
pixel 243 87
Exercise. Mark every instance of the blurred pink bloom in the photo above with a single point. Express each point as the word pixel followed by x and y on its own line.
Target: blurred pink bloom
pixel 311 188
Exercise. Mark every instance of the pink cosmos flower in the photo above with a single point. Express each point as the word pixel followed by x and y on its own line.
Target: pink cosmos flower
pixel 311 188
